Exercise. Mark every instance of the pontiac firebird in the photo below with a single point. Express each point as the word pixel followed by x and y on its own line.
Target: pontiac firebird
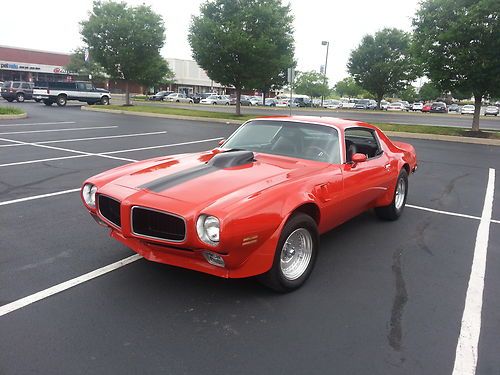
pixel 257 204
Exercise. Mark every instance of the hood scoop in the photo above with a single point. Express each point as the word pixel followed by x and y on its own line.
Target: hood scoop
pixel 223 160
pixel 231 158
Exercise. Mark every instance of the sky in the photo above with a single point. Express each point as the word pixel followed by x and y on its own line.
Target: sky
pixel 54 26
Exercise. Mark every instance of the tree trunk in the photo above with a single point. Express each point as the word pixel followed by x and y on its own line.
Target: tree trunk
pixel 478 98
pixel 264 97
pixel 127 94
pixel 238 104
pixel 379 99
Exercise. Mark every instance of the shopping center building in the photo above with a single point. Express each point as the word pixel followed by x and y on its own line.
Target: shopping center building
pixel 20 64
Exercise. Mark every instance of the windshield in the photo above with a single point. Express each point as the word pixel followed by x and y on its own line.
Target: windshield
pixel 300 140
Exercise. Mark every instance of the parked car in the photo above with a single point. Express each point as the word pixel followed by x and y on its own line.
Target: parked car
pixel 284 102
pixel 406 104
pixel 455 108
pixel 427 108
pixel 199 96
pixel 332 104
pixel 396 107
pixel 491 110
pixel 438 107
pixel 160 95
pixel 365 104
pixel 384 104
pixel 216 99
pixel 467 109
pixel 255 100
pixel 348 103
pixel 417 106
pixel 61 92
pixel 244 100
pixel 267 201
pixel 17 90
pixel 271 102
pixel 178 97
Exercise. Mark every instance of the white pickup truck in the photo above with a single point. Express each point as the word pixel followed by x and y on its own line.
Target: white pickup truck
pixel 61 92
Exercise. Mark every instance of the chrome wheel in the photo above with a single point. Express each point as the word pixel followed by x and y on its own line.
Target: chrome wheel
pixel 400 194
pixel 296 254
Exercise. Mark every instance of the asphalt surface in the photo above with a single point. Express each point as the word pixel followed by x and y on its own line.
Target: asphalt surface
pixel 405 118
pixel 384 298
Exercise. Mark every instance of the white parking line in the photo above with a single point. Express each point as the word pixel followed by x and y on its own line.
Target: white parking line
pixel 66 150
pixel 23 302
pixel 41 123
pixel 467 346
pixel 87 139
pixel 443 212
pixel 82 154
pixel 58 130
pixel 33 197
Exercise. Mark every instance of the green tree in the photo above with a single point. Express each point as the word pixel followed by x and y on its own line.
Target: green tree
pixel 158 72
pixel 348 88
pixel 429 91
pixel 126 41
pixel 458 43
pixel 312 84
pixel 243 43
pixel 87 69
pixel 408 94
pixel 382 63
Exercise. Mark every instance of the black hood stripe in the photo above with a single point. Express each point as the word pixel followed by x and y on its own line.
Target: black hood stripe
pixel 220 161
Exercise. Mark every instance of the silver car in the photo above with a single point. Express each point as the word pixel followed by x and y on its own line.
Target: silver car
pixel 178 97
pixel 216 99
pixel 491 110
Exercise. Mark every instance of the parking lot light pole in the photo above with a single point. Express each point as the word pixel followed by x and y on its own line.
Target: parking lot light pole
pixel 327 44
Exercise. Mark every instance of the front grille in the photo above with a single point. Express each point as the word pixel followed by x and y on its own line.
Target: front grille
pixel 156 224
pixel 109 209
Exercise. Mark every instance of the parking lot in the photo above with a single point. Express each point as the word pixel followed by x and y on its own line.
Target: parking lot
pixel 384 298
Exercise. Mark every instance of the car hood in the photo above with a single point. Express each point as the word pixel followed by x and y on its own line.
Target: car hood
pixel 203 178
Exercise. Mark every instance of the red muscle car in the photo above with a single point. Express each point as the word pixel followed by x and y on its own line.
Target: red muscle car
pixel 257 204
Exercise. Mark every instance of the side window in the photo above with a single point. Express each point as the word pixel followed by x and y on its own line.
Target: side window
pixel 80 86
pixel 25 86
pixel 89 87
pixel 362 141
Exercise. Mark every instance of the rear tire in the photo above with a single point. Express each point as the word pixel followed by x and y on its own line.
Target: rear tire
pixel 20 97
pixel 61 100
pixel 295 255
pixel 395 209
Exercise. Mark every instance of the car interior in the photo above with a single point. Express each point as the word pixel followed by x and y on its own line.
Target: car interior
pixel 362 141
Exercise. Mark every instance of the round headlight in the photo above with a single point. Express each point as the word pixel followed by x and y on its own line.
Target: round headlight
pixel 208 228
pixel 88 194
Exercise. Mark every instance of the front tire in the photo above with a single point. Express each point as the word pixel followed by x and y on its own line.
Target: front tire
pixel 104 100
pixel 20 97
pixel 395 209
pixel 295 255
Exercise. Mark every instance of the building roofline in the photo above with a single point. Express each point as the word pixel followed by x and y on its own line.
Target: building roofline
pixel 35 50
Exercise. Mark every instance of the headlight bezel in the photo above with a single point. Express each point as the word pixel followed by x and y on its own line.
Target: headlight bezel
pixel 89 194
pixel 206 224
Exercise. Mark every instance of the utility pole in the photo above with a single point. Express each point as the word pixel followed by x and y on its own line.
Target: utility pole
pixel 327 44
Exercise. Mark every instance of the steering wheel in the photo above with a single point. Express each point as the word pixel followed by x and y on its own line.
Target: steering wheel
pixel 318 153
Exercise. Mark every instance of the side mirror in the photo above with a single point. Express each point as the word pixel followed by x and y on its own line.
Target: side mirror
pixel 358 158
pixel 221 142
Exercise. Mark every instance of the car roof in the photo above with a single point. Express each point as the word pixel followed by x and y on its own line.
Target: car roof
pixel 333 122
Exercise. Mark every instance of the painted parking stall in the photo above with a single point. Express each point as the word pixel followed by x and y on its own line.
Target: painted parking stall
pixel 379 298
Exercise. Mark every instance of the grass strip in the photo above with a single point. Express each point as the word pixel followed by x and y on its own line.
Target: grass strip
pixel 179 112
pixel 10 111
pixel 439 130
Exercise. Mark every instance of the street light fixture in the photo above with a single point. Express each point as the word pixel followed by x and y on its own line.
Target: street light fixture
pixel 327 44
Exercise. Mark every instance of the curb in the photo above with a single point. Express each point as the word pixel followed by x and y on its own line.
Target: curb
pixel 432 137
pixel 161 115
pixel 13 117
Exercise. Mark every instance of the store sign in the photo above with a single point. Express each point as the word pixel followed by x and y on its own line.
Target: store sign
pixel 23 67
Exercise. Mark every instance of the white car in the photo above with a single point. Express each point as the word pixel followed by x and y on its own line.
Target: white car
pixel 384 104
pixel 216 99
pixel 348 104
pixel 332 104
pixel 417 106
pixel 467 109
pixel 178 97
pixel 255 100
pixel 396 107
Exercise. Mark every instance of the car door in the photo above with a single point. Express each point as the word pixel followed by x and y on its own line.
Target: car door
pixel 366 181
